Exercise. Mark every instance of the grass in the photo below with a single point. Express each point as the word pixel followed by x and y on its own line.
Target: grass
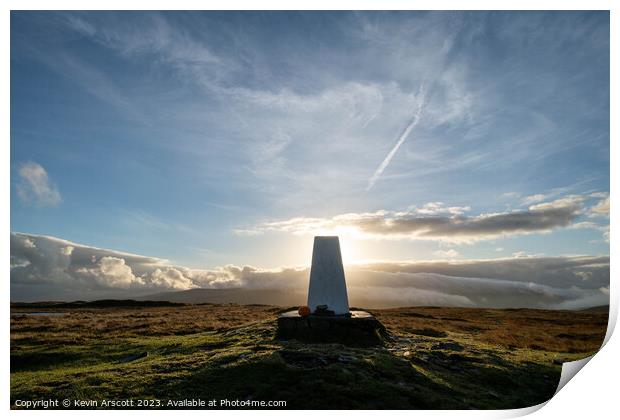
pixel 436 357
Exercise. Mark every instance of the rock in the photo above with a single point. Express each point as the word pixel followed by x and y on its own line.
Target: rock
pixel 133 357
pixel 347 359
pixel 448 345
pixel 407 354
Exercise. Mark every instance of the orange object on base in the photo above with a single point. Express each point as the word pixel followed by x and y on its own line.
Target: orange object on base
pixel 303 311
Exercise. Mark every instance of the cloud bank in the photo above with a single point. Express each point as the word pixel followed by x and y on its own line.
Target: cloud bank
pixel 44 267
pixel 436 222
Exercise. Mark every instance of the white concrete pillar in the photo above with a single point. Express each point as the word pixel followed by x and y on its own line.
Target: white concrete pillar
pixel 327 283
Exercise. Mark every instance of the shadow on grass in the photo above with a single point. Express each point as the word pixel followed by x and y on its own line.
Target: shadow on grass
pixel 324 384
pixel 312 377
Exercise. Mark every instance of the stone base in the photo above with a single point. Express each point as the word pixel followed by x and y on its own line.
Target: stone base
pixel 358 328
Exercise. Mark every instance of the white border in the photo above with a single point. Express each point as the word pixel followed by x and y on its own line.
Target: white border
pixel 592 394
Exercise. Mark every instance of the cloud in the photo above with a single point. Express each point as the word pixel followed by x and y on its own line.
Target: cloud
pixel 435 222
pixel 38 259
pixel 77 270
pixel 556 272
pixel 535 198
pixel 34 185
pixel 44 267
pixel 108 272
pixel 291 125
pixel 149 35
pixel 437 207
pixel 601 208
pixel 439 289
pixel 290 119
pixel 537 282
pixel 169 278
pixel 450 253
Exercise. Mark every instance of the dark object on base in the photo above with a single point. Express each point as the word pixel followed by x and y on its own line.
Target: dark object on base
pixel 358 328
pixel 322 310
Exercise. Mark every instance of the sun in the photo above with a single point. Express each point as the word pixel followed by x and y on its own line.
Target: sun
pixel 350 250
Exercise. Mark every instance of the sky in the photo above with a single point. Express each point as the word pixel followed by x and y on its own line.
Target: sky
pixel 174 150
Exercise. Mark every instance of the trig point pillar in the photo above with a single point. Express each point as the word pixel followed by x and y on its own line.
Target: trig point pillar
pixel 327 317
pixel 328 290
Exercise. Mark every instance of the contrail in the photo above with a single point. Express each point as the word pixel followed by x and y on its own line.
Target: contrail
pixel 414 121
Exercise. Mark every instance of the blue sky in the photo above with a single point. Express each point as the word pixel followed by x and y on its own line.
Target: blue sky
pixel 231 138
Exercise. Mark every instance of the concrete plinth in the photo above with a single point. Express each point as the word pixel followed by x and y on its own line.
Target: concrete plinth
pixel 357 328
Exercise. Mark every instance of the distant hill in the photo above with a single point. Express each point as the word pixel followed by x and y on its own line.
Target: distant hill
pixel 603 308
pixel 241 296
pixel 276 297
pixel 106 303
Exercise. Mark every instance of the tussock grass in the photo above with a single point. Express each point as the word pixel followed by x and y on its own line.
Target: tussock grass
pixel 436 358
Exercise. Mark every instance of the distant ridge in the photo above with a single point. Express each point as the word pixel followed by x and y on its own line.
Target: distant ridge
pixel 275 297
pixel 241 296
pixel 105 303
pixel 602 308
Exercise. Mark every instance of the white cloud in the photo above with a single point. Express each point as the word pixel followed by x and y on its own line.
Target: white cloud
pixel 535 198
pixel 109 272
pixel 151 35
pixel 35 187
pixel 437 207
pixel 450 253
pixel 601 208
pixel 589 225
pixel 169 278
